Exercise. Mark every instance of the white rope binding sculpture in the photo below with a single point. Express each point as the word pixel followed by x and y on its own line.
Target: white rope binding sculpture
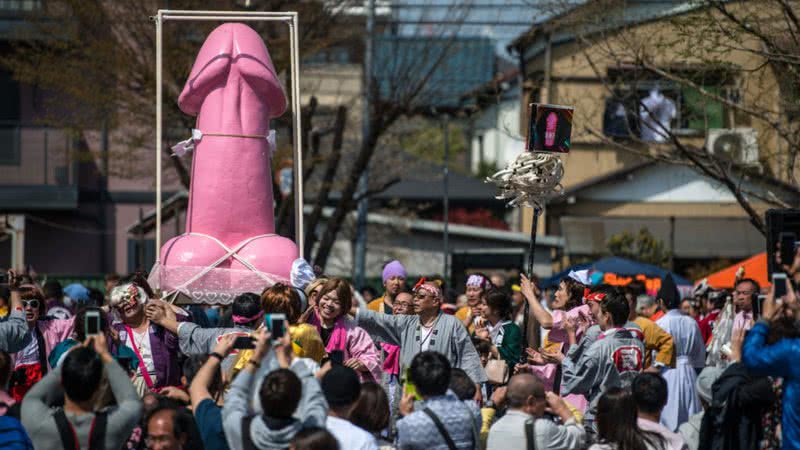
pixel 530 179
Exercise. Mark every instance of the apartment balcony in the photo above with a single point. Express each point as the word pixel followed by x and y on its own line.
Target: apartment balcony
pixel 38 168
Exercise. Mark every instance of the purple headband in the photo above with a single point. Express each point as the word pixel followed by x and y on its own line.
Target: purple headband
pixel 244 319
pixel 393 269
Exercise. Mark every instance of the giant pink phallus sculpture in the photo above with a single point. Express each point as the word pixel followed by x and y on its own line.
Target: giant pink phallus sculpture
pixel 230 245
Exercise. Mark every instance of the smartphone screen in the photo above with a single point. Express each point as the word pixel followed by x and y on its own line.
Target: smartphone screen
pixel 337 357
pixel 244 342
pixel 278 328
pixel 779 281
pixel 276 324
pixel 92 323
pixel 410 388
pixel 787 240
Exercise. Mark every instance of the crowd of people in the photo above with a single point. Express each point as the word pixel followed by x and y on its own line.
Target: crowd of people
pixel 422 366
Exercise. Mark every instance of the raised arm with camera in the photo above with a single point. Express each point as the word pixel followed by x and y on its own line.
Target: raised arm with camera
pixel 13 329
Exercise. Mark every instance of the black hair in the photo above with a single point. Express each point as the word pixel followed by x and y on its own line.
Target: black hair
pixel 430 373
pixel 616 422
pixel 371 410
pixel 5 369
pixel 461 384
pixel 79 324
pixel 370 290
pixel 749 280
pixel 650 392
pixel 635 288
pixel 81 373
pixel 280 393
pixel 247 305
pixel 718 298
pixel 500 302
pixel 314 438
pixel 482 346
pixel 575 291
pixel 192 365
pixel 182 423
pixel 96 297
pixel 617 306
pixel 5 294
pixel 53 289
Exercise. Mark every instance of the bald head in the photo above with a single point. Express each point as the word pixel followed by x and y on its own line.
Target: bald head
pixel 521 387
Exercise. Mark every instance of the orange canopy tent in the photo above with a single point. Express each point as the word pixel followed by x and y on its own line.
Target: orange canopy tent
pixel 754 267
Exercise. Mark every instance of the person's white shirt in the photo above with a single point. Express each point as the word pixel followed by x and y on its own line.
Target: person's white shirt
pixel 349 435
pixel 674 440
pixel 142 341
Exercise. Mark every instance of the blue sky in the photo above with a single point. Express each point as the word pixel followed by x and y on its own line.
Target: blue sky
pixel 499 20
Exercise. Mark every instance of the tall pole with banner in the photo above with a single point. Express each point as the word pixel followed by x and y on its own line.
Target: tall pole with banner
pixel 536 173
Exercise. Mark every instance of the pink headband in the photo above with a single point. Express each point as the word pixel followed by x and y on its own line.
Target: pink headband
pixel 244 319
pixel 430 288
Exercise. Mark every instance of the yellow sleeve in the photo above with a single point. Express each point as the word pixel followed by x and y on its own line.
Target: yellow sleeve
pixel 664 346
pixel 462 312
pixel 487 416
pixel 375 305
pixel 576 413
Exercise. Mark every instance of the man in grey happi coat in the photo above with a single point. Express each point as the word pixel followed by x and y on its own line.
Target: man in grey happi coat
pixel 193 340
pixel 430 330
pixel 613 360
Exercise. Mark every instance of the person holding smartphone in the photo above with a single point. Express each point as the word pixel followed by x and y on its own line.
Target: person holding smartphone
pixel 13 329
pixel 90 321
pixel 194 340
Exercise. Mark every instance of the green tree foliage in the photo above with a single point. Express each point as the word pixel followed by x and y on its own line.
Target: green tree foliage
pixel 642 246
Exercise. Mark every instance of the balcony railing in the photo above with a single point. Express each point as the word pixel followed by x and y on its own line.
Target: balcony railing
pixel 37 167
pixel 19 6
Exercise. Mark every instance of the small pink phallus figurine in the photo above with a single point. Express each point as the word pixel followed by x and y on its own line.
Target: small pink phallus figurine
pixel 230 245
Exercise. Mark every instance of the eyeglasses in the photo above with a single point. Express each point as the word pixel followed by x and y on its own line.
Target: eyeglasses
pixel 152 440
pixel 33 304
pixel 422 296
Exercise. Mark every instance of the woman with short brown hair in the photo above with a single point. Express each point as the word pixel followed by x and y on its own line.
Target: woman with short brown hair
pixel 339 331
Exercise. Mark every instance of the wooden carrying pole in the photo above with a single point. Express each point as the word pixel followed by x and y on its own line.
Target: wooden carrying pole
pixel 531 254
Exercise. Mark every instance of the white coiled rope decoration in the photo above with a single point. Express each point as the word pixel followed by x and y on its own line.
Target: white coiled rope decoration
pixel 530 179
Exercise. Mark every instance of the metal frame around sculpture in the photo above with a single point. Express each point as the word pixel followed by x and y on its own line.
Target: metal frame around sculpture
pixel 289 18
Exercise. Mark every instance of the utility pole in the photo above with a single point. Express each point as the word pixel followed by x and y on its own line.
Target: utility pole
pixel 446 173
pixel 363 204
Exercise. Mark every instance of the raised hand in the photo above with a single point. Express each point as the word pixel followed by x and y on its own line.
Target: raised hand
pixel 527 288
pixel 356 365
pixel 535 357
pixel 225 344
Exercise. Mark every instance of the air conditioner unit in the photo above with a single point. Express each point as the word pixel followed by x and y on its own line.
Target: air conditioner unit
pixel 737 144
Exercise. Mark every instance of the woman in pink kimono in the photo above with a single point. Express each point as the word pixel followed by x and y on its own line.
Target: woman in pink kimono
pixel 339 332
pixel 567 306
pixel 30 363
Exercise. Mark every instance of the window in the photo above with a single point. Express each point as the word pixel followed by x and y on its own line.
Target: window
pixel 9 119
pixel 19 6
pixel 641 100
pixel 141 260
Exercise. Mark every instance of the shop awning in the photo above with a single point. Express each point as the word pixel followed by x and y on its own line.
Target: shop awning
pixel 755 267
